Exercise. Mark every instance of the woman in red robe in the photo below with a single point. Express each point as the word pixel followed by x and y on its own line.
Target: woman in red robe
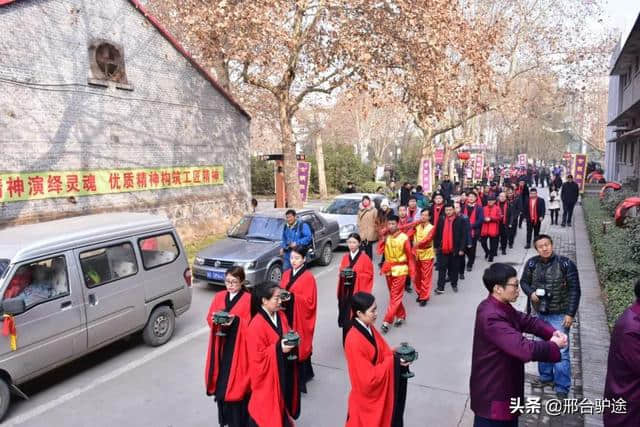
pixel 362 266
pixel 227 359
pixel 378 391
pixel 301 310
pixel 275 396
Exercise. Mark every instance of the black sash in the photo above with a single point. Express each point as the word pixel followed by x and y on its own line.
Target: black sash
pixel 344 302
pixel 290 305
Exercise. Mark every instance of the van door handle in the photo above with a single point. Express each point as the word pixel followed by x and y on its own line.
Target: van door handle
pixel 65 305
pixel 92 299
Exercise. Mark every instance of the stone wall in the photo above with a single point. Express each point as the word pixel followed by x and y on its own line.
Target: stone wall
pixel 52 119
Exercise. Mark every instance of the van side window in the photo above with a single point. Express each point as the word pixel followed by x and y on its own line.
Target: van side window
pixel 158 250
pixel 39 281
pixel 104 265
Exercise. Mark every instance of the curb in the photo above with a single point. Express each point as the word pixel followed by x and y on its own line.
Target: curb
pixel 594 331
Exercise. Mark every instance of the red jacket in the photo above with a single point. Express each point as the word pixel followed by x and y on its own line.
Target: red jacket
pixel 491 228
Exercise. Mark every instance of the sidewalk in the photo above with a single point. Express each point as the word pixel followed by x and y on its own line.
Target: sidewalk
pixel 589 339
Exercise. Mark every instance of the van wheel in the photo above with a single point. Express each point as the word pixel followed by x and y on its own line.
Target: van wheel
pixel 5 398
pixel 160 326
pixel 274 274
pixel 326 255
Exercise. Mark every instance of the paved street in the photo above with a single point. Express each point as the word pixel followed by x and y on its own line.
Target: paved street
pixel 131 384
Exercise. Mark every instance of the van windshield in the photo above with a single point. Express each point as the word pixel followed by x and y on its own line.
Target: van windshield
pixel 4 263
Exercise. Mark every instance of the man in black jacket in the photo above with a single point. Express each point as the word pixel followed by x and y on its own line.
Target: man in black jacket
pixel 569 195
pixel 447 188
pixel 533 212
pixel 552 283
pixel 450 241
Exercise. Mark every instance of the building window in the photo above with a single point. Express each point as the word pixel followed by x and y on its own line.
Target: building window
pixel 624 155
pixel 107 65
pixel 632 148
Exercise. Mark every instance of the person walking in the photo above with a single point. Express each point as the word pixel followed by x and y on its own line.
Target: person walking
pixel 227 359
pixel 378 388
pixel 500 350
pixel 301 310
pixel 569 194
pixel 450 241
pixel 506 212
pixel 557 181
pixel 475 212
pixel 447 187
pixel 534 212
pixel 554 205
pixel 424 253
pixel 295 234
pixel 552 284
pixel 467 231
pixel 360 263
pixel 623 367
pixel 398 264
pixel 275 395
pixel 490 231
pixel 367 224
pixel 514 209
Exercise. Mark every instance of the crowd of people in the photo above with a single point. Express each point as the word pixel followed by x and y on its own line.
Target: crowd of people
pixel 261 342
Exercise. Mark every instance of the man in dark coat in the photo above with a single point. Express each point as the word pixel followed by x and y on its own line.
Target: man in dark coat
pixel 553 286
pixel 623 368
pixel 450 241
pixel 569 195
pixel 533 211
pixel 447 188
pixel 500 350
pixel 405 193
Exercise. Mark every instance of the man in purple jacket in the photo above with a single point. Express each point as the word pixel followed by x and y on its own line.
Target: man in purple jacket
pixel 500 350
pixel 623 371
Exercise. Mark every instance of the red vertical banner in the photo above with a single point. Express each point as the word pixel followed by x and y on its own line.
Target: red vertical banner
pixel 522 160
pixel 304 173
pixel 479 166
pixel 426 175
pixel 439 155
pixel 580 170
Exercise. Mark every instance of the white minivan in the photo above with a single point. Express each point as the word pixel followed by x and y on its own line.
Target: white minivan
pixel 74 285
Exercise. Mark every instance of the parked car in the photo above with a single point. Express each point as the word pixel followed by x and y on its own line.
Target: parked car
pixel 77 284
pixel 344 209
pixel 254 243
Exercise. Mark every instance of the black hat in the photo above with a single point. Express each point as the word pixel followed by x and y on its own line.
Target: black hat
pixel 449 204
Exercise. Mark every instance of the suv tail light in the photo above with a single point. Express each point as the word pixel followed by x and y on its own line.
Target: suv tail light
pixel 187 277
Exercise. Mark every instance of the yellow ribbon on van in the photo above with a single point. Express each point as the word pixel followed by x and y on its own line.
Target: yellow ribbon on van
pixel 9 329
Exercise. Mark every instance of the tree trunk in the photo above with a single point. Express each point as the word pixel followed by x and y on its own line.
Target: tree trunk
pixel 222 73
pixel 292 186
pixel 322 180
pixel 445 159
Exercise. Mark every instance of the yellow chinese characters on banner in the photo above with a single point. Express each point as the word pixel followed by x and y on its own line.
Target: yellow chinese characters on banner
pixel 22 186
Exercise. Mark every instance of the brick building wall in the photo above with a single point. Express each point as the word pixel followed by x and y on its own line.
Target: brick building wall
pixel 52 119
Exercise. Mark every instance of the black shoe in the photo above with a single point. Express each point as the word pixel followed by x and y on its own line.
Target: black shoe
pixel 510 245
pixel 409 289
pixel 398 323
pixel 384 328
pixel 439 291
pixel 469 268
pixel 461 276
pixel 423 303
pixel 568 224
pixel 563 225
pixel 490 258
pixel 504 252
pixel 527 247
pixel 418 299
pixel 455 288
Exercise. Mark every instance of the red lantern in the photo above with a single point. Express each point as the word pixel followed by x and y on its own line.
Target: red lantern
pixel 615 186
pixel 623 207
pixel 464 155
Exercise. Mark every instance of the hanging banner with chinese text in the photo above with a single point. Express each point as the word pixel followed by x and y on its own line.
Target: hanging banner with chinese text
pixel 23 186
pixel 304 172
pixel 439 155
pixel 426 175
pixel 522 160
pixel 579 175
pixel 479 166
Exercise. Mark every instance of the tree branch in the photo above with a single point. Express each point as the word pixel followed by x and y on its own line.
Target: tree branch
pixel 255 82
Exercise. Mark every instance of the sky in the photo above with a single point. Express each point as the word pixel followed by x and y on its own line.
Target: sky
pixel 622 14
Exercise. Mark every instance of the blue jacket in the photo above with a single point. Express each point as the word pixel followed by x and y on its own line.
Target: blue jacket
pixel 299 233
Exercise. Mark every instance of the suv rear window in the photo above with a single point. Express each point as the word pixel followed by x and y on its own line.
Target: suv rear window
pixel 158 250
